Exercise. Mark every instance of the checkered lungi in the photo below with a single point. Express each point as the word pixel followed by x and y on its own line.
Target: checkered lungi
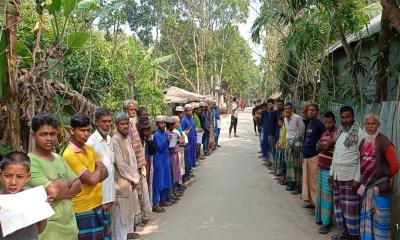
pixel 91 224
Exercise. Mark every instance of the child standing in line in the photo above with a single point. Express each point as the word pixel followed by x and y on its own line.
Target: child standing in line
pixel 173 123
pixel 14 174
pixel 281 146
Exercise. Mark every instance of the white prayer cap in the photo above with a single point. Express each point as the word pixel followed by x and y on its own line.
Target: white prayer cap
pixel 160 118
pixel 170 120
pixel 202 104
pixel 196 105
pixel 188 106
pixel 180 109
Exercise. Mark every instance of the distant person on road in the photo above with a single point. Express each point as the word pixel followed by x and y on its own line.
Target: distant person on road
pixel 234 117
pixel 378 165
pixel 324 201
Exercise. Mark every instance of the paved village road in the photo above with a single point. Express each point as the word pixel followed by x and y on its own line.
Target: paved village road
pixel 234 197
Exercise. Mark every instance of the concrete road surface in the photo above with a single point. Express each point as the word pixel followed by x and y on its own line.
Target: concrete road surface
pixel 234 197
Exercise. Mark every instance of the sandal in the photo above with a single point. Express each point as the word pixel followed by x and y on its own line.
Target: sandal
pixel 339 236
pixel 158 209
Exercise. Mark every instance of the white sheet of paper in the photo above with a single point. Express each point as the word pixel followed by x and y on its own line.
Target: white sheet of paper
pixel 25 208
pixel 199 137
pixel 173 141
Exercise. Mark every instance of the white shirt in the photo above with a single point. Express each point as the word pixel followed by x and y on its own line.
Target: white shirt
pixel 294 129
pixel 104 150
pixel 346 161
pixel 234 106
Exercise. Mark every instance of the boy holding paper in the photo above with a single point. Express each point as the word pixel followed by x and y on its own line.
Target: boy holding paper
pixel 52 172
pixel 14 174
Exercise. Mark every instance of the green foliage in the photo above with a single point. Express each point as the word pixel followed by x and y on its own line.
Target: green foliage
pixel 4 149
pixel 3 65
pixel 148 87
pixel 306 29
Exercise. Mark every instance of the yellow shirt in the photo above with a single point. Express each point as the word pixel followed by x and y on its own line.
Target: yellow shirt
pixel 282 137
pixel 81 160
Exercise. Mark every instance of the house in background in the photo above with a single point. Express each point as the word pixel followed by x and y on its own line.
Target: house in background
pixel 336 76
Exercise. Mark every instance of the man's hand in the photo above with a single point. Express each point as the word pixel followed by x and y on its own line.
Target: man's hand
pixel 107 206
pixel 330 181
pixel 99 164
pixel 355 185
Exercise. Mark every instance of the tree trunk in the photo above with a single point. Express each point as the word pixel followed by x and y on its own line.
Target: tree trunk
pixel 12 19
pixel 383 60
pixel 392 11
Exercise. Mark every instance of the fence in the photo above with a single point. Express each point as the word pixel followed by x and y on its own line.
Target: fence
pixel 389 115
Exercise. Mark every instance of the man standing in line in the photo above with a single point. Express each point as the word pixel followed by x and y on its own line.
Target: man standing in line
pixel 234 117
pixel 127 177
pixel 255 108
pixel 130 107
pixel 206 126
pixel 294 137
pixel 217 118
pixel 325 145
pixel 188 126
pixel 314 130
pixel 379 165
pixel 344 175
pixel 197 116
pixel 100 141
pixel 83 160
pixel 48 169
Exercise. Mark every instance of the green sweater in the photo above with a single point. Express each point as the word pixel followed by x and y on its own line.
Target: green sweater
pixel 197 123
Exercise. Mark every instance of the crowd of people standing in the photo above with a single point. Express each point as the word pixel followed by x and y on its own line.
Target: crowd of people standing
pixel 105 184
pixel 340 172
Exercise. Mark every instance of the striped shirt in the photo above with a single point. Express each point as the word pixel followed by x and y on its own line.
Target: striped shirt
pixel 325 157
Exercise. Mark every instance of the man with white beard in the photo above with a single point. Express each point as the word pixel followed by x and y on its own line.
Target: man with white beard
pixel 378 165
pixel 100 141
pixel 130 107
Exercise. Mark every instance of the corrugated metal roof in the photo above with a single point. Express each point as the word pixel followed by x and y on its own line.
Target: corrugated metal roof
pixel 179 95
pixel 373 26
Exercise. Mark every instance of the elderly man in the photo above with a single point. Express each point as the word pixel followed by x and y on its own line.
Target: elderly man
pixel 344 175
pixel 378 165
pixel 100 141
pixel 130 107
pixel 294 137
pixel 126 205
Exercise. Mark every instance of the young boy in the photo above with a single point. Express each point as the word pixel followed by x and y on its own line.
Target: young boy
pixel 280 146
pixel 14 174
pixel 176 138
pixel 84 161
pixel 52 172
pixel 162 181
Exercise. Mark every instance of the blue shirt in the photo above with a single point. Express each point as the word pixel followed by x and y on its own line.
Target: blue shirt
pixel 313 133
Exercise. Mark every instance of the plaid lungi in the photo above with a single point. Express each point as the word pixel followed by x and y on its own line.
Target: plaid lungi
pixel 375 216
pixel 323 208
pixel 107 224
pixel 346 205
pixel 293 164
pixel 91 224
